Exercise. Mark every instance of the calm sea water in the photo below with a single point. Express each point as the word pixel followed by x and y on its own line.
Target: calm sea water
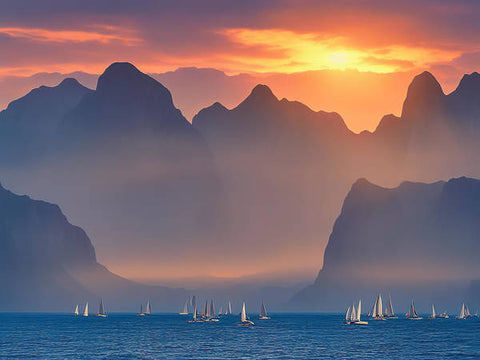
pixel 285 336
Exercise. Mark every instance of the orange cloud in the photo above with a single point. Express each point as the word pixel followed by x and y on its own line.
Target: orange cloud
pixel 297 52
pixel 109 35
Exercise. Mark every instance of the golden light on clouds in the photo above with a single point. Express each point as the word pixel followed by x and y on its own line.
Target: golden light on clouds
pixel 291 52
pixel 103 35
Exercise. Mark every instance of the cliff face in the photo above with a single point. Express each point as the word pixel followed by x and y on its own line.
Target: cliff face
pixel 46 263
pixel 386 239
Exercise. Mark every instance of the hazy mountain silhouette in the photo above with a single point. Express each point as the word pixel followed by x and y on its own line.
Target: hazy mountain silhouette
pixel 416 238
pixel 46 263
pixel 274 158
pixel 28 125
pixel 125 163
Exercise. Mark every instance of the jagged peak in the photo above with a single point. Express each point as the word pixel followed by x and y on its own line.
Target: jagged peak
pixel 70 82
pixel 423 92
pixel 470 83
pixel 124 76
pixel 260 94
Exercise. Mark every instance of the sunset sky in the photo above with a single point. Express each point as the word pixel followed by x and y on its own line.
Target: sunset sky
pixel 284 36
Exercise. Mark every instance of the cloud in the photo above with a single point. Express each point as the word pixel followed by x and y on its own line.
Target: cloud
pixel 293 52
pixel 110 34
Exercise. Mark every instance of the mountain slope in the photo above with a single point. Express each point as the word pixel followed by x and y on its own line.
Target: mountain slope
pixel 46 263
pixel 28 125
pixel 386 239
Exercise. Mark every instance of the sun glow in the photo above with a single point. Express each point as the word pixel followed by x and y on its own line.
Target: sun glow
pixel 277 50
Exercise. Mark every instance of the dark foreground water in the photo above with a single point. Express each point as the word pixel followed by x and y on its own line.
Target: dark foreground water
pixel 285 336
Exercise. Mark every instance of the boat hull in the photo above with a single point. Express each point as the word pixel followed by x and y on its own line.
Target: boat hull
pixel 101 315
pixel 246 323
pixel 264 317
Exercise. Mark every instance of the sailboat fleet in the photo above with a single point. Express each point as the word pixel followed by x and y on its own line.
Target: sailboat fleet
pixel 352 316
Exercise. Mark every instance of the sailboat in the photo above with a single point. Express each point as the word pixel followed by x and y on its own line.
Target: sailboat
pixel 148 309
pixel 76 311
pixel 464 312
pixel 433 316
pixel 412 314
pixel 195 318
pixel 263 313
pixel 85 312
pixel 377 311
pixel 229 308
pixel 389 314
pixel 243 318
pixel 185 308
pixel 141 313
pixel 101 310
pixel 444 315
pixel 352 316
pixel 220 312
pixel 212 316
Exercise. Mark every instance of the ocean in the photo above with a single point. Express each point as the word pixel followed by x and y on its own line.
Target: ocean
pixel 285 336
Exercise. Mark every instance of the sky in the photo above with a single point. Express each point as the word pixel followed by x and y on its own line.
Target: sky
pixel 375 39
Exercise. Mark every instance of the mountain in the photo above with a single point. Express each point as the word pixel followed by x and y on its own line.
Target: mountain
pixel 413 240
pixel 46 263
pixel 274 158
pixel 124 163
pixel 28 125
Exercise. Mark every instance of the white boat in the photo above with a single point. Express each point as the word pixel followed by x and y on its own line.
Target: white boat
pixel 185 308
pixel 148 309
pixel 389 314
pixel 263 312
pixel 444 315
pixel 377 311
pixel 76 311
pixel 195 318
pixel 85 312
pixel 243 318
pixel 412 314
pixel 141 313
pixel 101 310
pixel 353 315
pixel 433 316
pixel 464 312
pixel 212 316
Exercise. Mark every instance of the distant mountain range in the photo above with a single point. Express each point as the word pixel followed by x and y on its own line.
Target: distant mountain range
pixel 251 187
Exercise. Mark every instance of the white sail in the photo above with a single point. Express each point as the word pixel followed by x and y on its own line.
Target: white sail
pixel 148 309
pixel 411 311
pixel 212 308
pixel 244 314
pixel 206 311
pixel 379 306
pixel 374 310
pixel 220 311
pixel 195 312
pixel 263 310
pixel 185 307
pixel 353 314
pixel 467 311
pixel 389 310
pixel 101 309
pixel 433 312
pixel 347 315
pixel 229 308
pixel 359 310
pixel 76 310
pixel 462 312
pixel 85 313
